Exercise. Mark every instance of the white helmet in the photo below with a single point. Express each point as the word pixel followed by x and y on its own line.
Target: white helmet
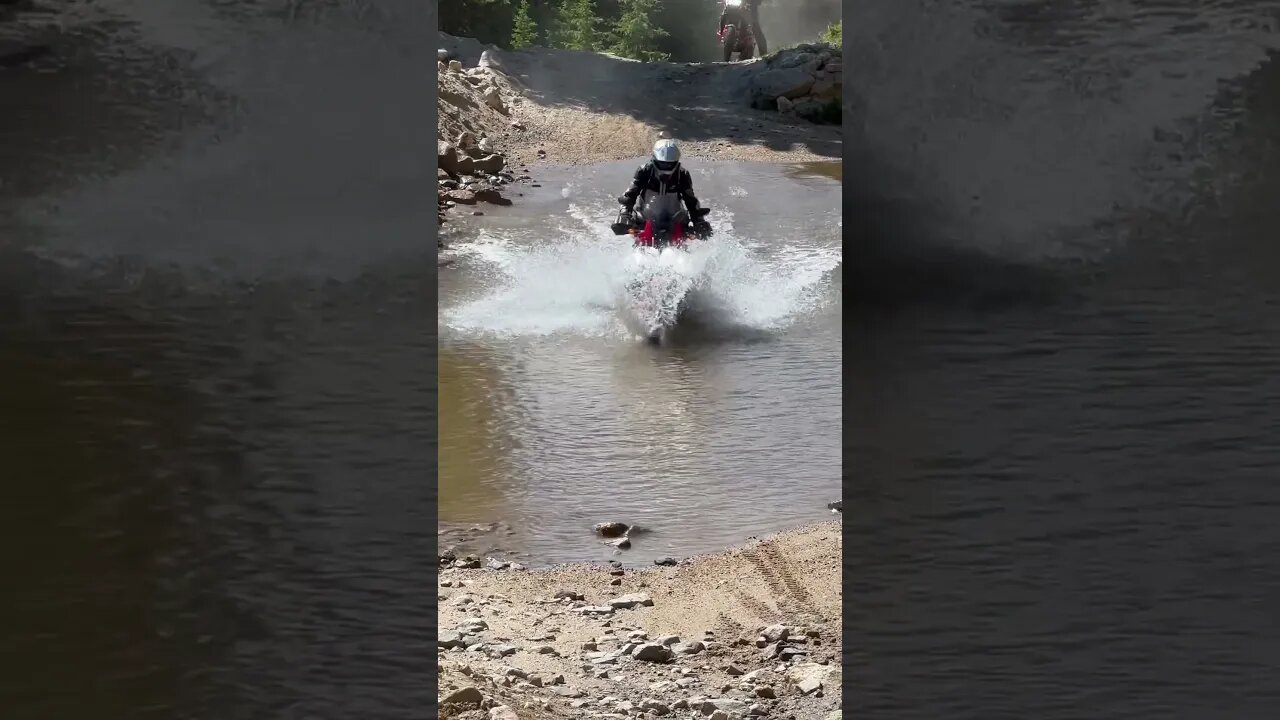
pixel 666 157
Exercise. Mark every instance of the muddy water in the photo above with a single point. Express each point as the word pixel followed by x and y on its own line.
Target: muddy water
pixel 553 417
pixel 214 423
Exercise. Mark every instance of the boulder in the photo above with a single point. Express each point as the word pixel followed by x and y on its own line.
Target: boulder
pixel 490 164
pixel 787 82
pixel 447 157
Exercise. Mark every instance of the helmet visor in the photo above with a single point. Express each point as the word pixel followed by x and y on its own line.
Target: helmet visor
pixel 665 165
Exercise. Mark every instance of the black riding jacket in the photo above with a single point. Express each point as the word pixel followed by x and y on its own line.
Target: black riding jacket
pixel 647 179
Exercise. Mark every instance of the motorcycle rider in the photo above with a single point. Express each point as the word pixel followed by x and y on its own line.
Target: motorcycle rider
pixel 750 16
pixel 662 174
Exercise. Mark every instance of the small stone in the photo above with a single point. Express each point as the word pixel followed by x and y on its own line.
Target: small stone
pixel 455 66
pixel 546 650
pixel 570 595
pixel 655 707
pixel 621 543
pixel 766 692
pixel 691 648
pixel 589 647
pixel 719 715
pixel 466 697
pixel 568 692
pixel 653 652
pixel 666 561
pixel 669 640
pixel 616 581
pixel 502 650
pixel 594 610
pixel 626 602
pixel 502 712
pixel 449 640
pixel 775 633
pixel 733 670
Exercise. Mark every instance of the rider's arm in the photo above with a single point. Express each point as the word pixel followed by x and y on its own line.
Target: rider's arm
pixel 637 186
pixel 686 192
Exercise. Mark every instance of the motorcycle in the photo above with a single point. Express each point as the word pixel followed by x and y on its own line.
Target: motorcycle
pixel 736 35
pixel 661 270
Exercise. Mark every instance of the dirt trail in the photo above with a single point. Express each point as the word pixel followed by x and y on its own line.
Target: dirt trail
pixel 581 107
pixel 682 641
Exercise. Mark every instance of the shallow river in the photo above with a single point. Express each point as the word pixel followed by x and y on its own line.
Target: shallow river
pixel 553 417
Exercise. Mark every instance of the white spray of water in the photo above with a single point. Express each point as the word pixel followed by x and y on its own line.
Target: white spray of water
pixel 577 283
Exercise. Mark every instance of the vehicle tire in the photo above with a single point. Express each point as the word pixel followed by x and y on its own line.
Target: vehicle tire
pixel 730 41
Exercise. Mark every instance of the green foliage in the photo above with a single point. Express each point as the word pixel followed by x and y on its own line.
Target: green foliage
pixel 524 31
pixel 635 35
pixel 834 34
pixel 577 26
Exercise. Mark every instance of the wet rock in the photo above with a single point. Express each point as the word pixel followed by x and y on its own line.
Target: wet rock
pixel 621 543
pixel 666 561
pixel 463 197
pixel 653 652
pixel 836 507
pixel 468 697
pixel 609 529
pixel 626 602
pixel 492 563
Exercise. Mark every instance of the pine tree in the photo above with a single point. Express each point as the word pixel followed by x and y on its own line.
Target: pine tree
pixel 524 31
pixel 576 25
pixel 635 35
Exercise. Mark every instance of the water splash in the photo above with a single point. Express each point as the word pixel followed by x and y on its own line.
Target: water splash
pixel 577 284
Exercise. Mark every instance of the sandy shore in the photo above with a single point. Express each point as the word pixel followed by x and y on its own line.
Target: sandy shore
pixel 751 632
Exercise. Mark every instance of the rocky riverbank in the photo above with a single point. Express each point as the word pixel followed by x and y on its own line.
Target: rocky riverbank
pixel 754 632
